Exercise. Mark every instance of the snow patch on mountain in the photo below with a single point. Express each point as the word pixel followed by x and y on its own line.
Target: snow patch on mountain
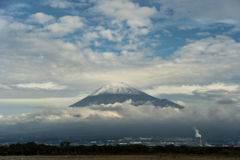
pixel 117 88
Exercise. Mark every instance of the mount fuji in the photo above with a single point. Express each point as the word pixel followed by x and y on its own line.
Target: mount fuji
pixel 121 92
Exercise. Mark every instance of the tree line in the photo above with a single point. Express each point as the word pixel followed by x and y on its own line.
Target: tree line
pixel 31 148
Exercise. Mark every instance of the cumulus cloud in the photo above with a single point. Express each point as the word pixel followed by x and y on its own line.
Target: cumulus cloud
pixel 58 3
pixel 124 10
pixel 69 64
pixel 41 18
pixel 66 24
pixel 16 26
pixel 107 34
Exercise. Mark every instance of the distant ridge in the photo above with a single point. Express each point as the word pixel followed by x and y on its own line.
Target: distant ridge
pixel 121 92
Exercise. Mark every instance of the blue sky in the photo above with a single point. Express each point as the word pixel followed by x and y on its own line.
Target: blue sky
pixel 55 52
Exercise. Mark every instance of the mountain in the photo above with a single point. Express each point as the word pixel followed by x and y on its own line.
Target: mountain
pixel 120 92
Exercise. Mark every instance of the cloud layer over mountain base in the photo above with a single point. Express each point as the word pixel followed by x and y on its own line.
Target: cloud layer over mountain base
pixel 123 119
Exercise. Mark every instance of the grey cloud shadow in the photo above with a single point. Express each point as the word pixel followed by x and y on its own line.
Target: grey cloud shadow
pixel 225 101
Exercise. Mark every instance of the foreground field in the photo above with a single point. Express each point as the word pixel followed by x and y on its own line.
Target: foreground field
pixel 112 157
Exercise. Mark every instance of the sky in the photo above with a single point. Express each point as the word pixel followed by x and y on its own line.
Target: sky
pixel 53 53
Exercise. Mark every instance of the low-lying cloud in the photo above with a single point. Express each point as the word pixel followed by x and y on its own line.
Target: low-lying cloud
pixel 126 112
pixel 124 119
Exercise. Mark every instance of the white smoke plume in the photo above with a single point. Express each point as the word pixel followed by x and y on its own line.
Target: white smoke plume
pixel 197 135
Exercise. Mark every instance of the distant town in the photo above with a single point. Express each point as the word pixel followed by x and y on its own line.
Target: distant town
pixel 150 141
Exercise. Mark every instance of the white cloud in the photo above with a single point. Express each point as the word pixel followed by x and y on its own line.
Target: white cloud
pixel 203 34
pixel 4 86
pixel 89 36
pixel 41 18
pixel 59 3
pixel 167 33
pixel 47 86
pixel 19 5
pixel 124 10
pixel 232 31
pixel 144 31
pixel 107 34
pixel 58 115
pixel 191 64
pixel 97 44
pixel 8 24
pixel 72 63
pixel 229 21
pixel 200 61
pixel 189 89
pixel 19 26
pixel 66 24
pixel 187 27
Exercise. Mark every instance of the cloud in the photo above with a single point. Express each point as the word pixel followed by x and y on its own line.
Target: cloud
pixel 97 44
pixel 41 18
pixel 8 25
pixel 34 101
pixel 16 26
pixel 225 101
pixel 90 36
pixel 189 89
pixel 167 33
pixel 203 12
pixel 19 5
pixel 125 112
pixel 46 86
pixel 187 27
pixel 200 61
pixel 66 25
pixel 124 10
pixel 4 86
pixel 72 61
pixel 203 34
pixel 107 34
pixel 233 31
pixel 58 115
pixel 59 3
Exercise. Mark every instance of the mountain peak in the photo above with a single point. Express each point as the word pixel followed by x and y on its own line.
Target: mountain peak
pixel 119 92
pixel 116 88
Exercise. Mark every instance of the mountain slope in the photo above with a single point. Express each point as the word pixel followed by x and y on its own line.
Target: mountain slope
pixel 120 92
